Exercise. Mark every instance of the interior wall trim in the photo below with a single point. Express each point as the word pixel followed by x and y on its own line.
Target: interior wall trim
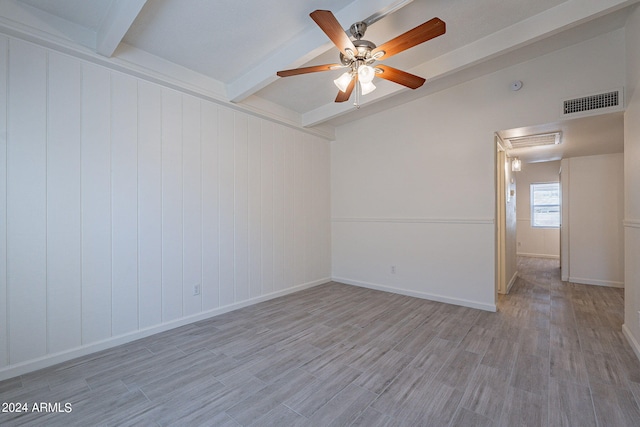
pixel 596 282
pixel 417 220
pixel 53 359
pixel 546 256
pixel 631 223
pixel 631 339
pixel 424 295
pixel 512 281
pixel 199 86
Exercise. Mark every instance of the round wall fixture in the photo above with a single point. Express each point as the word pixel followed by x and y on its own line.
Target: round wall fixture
pixel 516 85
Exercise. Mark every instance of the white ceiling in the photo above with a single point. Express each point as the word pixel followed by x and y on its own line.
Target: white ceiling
pixel 234 48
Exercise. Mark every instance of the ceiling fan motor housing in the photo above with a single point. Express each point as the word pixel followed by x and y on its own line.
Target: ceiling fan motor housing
pixel 363 47
pixel 357 30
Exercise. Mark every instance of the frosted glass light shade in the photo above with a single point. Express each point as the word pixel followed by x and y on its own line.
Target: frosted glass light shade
pixel 367 87
pixel 366 74
pixel 343 81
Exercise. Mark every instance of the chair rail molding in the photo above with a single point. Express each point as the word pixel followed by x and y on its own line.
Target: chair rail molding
pixel 418 220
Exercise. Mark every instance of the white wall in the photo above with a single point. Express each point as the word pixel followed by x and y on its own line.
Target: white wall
pixel 535 242
pixel 414 186
pixel 118 196
pixel 632 185
pixel 593 203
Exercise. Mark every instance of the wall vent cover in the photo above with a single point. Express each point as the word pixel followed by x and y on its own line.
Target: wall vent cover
pixel 534 140
pixel 608 100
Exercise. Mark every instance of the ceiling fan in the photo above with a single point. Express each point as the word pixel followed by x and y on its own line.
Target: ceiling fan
pixel 359 55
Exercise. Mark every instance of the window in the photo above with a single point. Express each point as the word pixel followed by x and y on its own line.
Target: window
pixel 545 205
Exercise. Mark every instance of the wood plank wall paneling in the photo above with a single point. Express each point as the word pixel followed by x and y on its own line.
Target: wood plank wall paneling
pixel 241 208
pixel 172 192
pixel 226 200
pixel 254 204
pixel 118 196
pixel 64 221
pixel 289 206
pixel 27 201
pixel 210 207
pixel 321 200
pixel 266 205
pixel 4 343
pixel 95 204
pixel 149 204
pixel 124 206
pixel 298 211
pixel 192 206
pixel 278 209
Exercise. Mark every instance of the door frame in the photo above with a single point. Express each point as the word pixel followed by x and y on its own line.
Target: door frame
pixel 501 224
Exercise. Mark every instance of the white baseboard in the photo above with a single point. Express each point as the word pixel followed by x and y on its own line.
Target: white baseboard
pixel 596 282
pixel 547 256
pixel 423 295
pixel 635 345
pixel 512 281
pixel 53 359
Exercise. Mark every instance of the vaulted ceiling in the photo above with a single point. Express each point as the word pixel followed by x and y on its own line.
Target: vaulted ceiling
pixel 230 50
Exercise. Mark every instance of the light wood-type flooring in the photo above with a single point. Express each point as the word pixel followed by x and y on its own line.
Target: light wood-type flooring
pixel 553 355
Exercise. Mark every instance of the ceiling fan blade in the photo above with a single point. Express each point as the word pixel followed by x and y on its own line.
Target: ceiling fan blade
pixel 344 96
pixel 401 77
pixel 306 70
pixel 420 34
pixel 332 28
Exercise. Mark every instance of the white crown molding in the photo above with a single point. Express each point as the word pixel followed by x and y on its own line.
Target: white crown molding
pixel 151 67
pixel 138 63
pixel 28 22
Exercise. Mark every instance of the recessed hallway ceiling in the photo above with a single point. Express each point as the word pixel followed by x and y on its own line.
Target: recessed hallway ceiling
pixel 233 49
pixel 585 136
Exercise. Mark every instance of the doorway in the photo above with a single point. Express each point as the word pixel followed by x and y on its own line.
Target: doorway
pixel 506 261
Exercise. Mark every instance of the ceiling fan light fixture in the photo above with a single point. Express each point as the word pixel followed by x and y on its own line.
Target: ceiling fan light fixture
pixel 367 88
pixel 343 81
pixel 358 55
pixel 516 165
pixel 366 74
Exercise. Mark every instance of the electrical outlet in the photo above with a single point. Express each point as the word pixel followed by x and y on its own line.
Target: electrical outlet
pixel 393 269
pixel 196 289
pixel 519 244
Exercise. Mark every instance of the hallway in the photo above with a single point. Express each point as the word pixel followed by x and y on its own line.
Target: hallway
pixel 572 352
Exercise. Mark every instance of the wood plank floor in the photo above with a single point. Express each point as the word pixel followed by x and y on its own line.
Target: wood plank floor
pixel 553 355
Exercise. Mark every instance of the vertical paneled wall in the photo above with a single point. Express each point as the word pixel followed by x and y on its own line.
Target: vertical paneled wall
pixel 119 196
pixel 4 330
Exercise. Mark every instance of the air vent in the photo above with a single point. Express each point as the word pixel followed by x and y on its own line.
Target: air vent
pixel 534 140
pixel 608 100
